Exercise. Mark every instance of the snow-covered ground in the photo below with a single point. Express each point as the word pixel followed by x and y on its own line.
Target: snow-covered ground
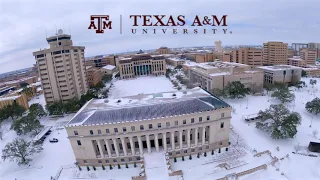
pixel 240 157
pixel 140 85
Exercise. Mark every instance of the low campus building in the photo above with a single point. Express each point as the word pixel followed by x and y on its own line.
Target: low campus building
pixel 142 64
pixel 119 131
pixel 216 75
pixel 175 61
pixel 108 69
pixel 281 74
pixel 100 61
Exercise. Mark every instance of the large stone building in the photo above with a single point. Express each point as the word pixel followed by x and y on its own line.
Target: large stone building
pixel 309 55
pixel 275 53
pixel 163 50
pixel 62 69
pixel 281 74
pixel 94 75
pixel 142 64
pixel 175 61
pixel 21 100
pixel 297 47
pixel 120 131
pixel 100 61
pixel 245 55
pixel 216 75
pixel 218 47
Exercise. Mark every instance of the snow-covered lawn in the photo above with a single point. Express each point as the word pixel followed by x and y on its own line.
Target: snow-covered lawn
pixel 140 85
pixel 38 99
pixel 297 166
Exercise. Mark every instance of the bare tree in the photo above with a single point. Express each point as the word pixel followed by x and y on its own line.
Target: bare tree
pixel 297 148
pixel 315 133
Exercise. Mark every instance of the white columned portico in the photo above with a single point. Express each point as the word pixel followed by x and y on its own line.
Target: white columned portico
pixel 140 145
pixel 203 135
pixel 196 136
pixel 188 137
pixel 172 141
pixel 108 147
pixel 132 146
pixel 180 140
pixel 156 142
pixel 116 146
pixel 124 147
pixel 148 143
pixel 100 148
pixel 164 141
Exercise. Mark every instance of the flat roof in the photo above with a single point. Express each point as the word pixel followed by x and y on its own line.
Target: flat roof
pixel 109 67
pixel 146 106
pixel 278 67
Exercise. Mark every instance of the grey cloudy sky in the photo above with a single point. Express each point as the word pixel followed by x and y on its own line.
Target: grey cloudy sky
pixel 24 23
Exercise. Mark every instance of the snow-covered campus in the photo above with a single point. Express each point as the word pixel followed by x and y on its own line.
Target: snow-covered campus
pixel 104 104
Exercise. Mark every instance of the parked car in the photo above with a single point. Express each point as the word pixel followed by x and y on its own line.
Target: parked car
pixel 53 140
pixel 48 133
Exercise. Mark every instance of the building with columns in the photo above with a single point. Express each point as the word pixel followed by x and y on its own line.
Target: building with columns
pixel 142 64
pixel 119 131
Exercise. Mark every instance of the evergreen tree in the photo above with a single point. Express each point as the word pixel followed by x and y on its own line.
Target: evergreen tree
pixel 88 168
pixel 110 167
pixel 313 106
pixel 37 110
pixel 205 154
pixel 79 168
pixel 279 122
pixel 198 156
pixel 135 164
pixel 283 94
pixel 20 151
pixel 303 73
pixel 127 165
pixel 219 150
pixel 27 124
pixel 227 149
pixel 119 167
pixel 94 168
pixel 190 157
pixel 300 84
pixel 182 158
pixel 212 152
pixel 236 90
pixel 103 168
pixel 313 82
pixel 175 159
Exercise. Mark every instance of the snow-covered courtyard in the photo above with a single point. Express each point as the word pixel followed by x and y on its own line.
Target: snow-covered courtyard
pixel 141 85
pixel 246 141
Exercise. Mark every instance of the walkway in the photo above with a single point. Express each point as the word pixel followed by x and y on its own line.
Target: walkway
pixel 155 165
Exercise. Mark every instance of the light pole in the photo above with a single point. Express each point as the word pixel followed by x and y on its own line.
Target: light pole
pixel 247 102
pixel 311 121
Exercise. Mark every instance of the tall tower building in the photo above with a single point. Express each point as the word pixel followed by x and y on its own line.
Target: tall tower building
pixel 309 55
pixel 218 47
pixel 275 53
pixel 62 69
pixel 247 55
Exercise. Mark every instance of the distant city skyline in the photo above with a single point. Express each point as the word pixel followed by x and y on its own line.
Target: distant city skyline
pixel 24 30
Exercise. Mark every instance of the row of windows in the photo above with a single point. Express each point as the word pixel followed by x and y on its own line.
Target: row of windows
pixel 114 160
pixel 150 126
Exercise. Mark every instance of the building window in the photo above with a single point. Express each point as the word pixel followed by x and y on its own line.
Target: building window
pixel 130 159
pixel 107 161
pixel 176 123
pixel 192 150
pixel 184 121
pixel 99 161
pixel 222 115
pixel 159 125
pixel 138 158
pixel 150 126
pixel 114 160
pixel 208 118
pixel 200 119
pixel 220 143
pixel 115 130
pixel 133 128
pixel 222 125
pixel 124 129
pixel 141 127
pixel 192 120
pixel 79 142
pixel 185 151
pixel 99 131
pixel 91 132
pixel 76 133
pixel 85 161
pixel 107 131
pixel 178 152
pixel 167 124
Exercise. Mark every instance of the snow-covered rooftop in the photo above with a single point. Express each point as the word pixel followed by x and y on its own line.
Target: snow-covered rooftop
pixel 278 67
pixel 146 106
pixel 9 98
pixel 109 67
pixel 175 59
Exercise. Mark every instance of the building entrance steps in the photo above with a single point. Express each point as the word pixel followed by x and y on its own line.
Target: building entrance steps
pixel 155 166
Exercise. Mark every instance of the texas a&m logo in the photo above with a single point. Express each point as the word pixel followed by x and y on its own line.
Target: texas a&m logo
pixel 102 22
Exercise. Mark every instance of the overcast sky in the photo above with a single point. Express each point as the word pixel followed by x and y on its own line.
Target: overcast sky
pixel 24 24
